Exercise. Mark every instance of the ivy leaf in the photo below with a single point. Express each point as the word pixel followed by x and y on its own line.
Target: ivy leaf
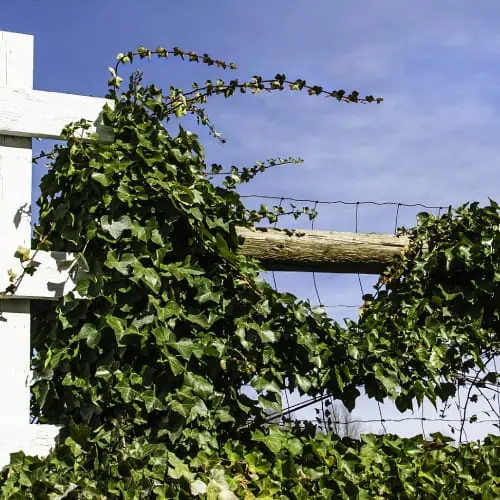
pixel 224 416
pixel 183 407
pixel 151 278
pixel 116 228
pixel 23 254
pixel 389 381
pixel 121 265
pixel 151 401
pixel 126 392
pixel 267 336
pixel 294 446
pixel 91 334
pixel 198 487
pixel 175 365
pixel 303 382
pixel 275 440
pixel 187 347
pixel 261 384
pixel 118 325
pixel 198 319
pixel 206 294
pixel 102 178
pixel 198 384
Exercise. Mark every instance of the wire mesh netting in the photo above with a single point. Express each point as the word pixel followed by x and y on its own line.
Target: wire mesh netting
pixel 470 416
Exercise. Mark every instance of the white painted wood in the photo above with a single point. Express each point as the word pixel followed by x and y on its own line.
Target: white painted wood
pixel 35 440
pixel 16 71
pixel 36 113
pixel 51 280
pixel 15 203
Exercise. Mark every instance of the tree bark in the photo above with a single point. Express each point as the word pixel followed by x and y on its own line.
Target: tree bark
pixel 321 251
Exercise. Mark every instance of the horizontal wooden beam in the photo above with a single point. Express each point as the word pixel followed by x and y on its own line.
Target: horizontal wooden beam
pixel 37 113
pixel 32 439
pixel 321 251
pixel 277 249
pixel 50 281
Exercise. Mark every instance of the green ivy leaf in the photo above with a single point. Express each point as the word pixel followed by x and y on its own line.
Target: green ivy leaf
pixel 122 264
pixel 118 325
pixel 275 440
pixel 91 334
pixel 115 228
pixel 104 179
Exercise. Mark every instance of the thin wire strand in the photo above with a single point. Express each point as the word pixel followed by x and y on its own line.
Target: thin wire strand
pixel 406 419
pixel 382 420
pixel 272 272
pixel 498 398
pixel 359 277
pixel 324 306
pixel 313 273
pixel 466 405
pixel 342 202
pixel 396 222
pixel 487 399
pixel 422 419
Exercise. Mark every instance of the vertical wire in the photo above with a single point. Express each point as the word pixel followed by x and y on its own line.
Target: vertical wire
pixel 422 421
pixel 463 430
pixel 359 277
pixel 274 225
pixel 320 305
pixel 396 221
pixel 313 273
pixel 498 398
pixel 381 417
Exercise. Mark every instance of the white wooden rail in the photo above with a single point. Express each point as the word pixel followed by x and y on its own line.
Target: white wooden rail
pixel 26 113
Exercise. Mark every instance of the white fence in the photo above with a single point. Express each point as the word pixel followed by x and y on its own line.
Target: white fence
pixel 26 113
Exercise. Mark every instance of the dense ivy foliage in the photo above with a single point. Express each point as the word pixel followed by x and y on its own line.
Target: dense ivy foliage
pixel 438 307
pixel 278 465
pixel 146 374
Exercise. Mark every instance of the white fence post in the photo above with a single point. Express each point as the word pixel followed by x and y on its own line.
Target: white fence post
pixel 16 70
pixel 16 433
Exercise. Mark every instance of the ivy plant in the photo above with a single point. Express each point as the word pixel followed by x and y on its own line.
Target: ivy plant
pixel 145 374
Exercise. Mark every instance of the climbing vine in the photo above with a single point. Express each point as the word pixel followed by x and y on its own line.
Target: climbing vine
pixel 146 373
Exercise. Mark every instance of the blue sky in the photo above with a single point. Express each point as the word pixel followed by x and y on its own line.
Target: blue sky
pixel 433 140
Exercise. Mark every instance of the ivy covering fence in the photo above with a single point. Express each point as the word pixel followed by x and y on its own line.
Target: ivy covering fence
pixel 146 374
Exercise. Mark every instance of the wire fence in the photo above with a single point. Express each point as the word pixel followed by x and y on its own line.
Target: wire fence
pixel 455 418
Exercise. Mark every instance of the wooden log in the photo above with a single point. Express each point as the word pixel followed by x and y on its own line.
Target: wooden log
pixel 321 251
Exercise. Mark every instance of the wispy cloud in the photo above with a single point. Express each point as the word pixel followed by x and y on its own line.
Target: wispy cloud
pixel 434 139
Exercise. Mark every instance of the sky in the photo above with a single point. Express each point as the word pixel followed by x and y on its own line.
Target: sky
pixel 432 141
